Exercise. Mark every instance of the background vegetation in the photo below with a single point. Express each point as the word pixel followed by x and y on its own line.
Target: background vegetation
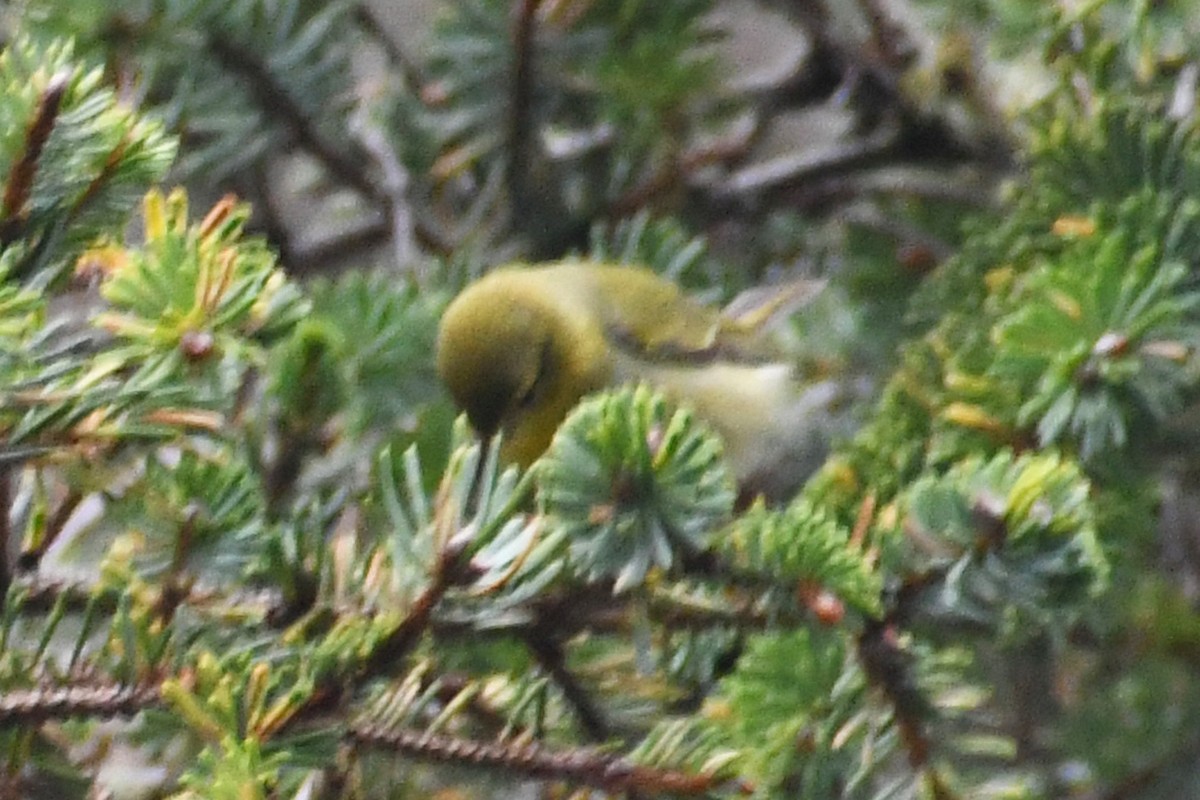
pixel 238 556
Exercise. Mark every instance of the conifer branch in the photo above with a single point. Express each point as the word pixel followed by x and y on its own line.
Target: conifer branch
pixel 5 533
pixel 96 186
pixel 677 171
pixel 366 235
pixel 887 668
pixel 20 178
pixel 39 596
pixel 29 559
pixel 447 572
pixel 32 706
pixel 278 102
pixel 546 648
pixel 588 768
pixel 408 67
pixel 521 133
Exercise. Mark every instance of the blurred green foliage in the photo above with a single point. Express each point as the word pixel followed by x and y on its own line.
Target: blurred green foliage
pixel 237 510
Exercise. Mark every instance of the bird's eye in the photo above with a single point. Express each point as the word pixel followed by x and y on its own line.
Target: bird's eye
pixel 530 394
pixel 525 399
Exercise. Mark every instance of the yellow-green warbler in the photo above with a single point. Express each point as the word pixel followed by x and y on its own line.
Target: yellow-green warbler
pixel 522 345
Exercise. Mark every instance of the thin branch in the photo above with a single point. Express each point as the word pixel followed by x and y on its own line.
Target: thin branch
pixel 594 608
pixel 601 771
pixel 836 62
pixel 676 172
pixel 267 212
pixel 32 706
pixel 976 190
pixel 890 44
pixel 338 252
pixel 520 121
pixel 20 178
pixel 741 613
pixel 41 596
pixel 710 565
pixel 176 584
pixel 5 533
pixel 112 163
pixel 344 250
pixel 279 480
pixel 29 559
pixel 407 66
pixel 275 99
pixel 888 670
pixel 395 186
pixel 546 648
pixel 780 173
pixel 447 572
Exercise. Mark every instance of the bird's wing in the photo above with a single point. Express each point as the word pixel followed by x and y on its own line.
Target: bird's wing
pixel 762 306
pixel 650 318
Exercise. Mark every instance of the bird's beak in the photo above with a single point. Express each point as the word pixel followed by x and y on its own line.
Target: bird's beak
pixel 485 449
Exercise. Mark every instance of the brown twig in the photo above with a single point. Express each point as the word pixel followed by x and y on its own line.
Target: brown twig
pixel 275 99
pixel 267 214
pixel 546 648
pixel 408 67
pixel 176 584
pixel 447 572
pixel 20 178
pixel 40 596
pixel 520 120
pixel 679 170
pixel 5 532
pixel 31 706
pixel 390 653
pixel 887 668
pixel 318 258
pixel 602 771
pixel 29 559
pixel 111 163
pixel 803 166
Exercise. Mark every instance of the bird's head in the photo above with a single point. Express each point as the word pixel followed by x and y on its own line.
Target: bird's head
pixel 514 363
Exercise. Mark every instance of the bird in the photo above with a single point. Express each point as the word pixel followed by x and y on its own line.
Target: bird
pixel 519 347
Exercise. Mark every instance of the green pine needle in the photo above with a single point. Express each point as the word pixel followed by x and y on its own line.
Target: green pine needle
pixel 804 544
pixel 634 485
